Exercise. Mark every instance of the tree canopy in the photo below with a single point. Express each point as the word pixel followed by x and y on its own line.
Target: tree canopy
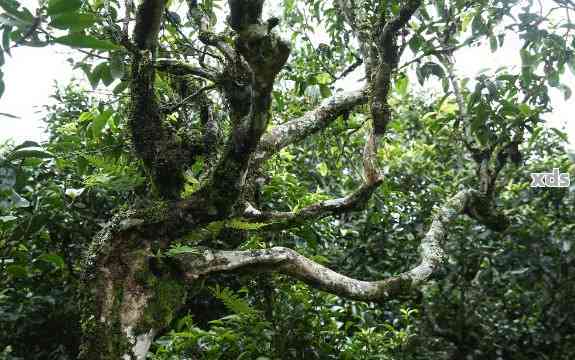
pixel 234 166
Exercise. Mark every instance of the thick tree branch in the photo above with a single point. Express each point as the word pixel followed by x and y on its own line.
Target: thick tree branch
pixel 155 144
pixel 180 68
pixel 247 83
pixel 284 219
pixel 388 59
pixel 405 13
pixel 148 20
pixel 311 122
pixel 289 262
pixel 205 35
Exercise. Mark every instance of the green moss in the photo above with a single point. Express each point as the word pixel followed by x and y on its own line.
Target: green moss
pixel 155 213
pixel 168 296
pixel 102 341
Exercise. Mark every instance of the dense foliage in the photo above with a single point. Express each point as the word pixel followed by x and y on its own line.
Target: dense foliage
pixel 501 295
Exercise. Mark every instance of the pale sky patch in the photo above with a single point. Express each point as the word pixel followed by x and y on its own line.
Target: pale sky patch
pixel 31 74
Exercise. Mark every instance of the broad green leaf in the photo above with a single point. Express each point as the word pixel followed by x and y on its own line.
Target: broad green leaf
pixel 322 169
pixel 566 91
pixel 106 75
pixel 13 8
pixel 493 43
pixel 427 69
pixel 116 65
pixel 6 39
pixel 182 249
pixel 74 22
pixel 323 78
pixel 99 123
pixel 85 41
pixel 27 144
pixel 123 85
pixel 29 152
pixel 325 91
pixel 53 259
pixel 10 20
pixel 401 84
pixel 16 270
pixel 100 72
pixel 63 6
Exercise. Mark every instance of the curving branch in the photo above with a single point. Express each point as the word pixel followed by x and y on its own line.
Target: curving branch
pixel 277 220
pixel 289 262
pixel 311 122
pixel 388 59
pixel 395 24
pixel 180 68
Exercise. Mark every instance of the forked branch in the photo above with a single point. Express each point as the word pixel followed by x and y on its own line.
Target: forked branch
pixel 278 220
pixel 289 262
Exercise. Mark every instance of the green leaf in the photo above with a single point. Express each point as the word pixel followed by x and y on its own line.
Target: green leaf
pixel 117 65
pixel 63 6
pixel 99 123
pixel 16 270
pixel 238 224
pixel 6 39
pixel 427 69
pixel 106 75
pixel 325 91
pixel 493 43
pixel 27 152
pixel 415 43
pixel 401 84
pixel 10 20
pixel 12 8
pixel 86 41
pixel 74 22
pixel 123 85
pixel 322 169
pixel 323 78
pixel 566 90
pixel 182 249
pixel 53 259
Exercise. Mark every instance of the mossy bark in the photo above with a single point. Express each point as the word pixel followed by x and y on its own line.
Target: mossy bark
pixel 126 298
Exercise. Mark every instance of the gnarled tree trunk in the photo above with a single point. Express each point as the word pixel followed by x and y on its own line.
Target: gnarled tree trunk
pixel 131 291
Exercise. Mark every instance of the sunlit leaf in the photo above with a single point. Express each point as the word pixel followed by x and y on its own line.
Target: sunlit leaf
pixel 63 6
pixel 27 152
pixel 85 41
pixel 72 21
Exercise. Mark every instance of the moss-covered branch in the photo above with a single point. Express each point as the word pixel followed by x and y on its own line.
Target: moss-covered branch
pixel 277 220
pixel 289 262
